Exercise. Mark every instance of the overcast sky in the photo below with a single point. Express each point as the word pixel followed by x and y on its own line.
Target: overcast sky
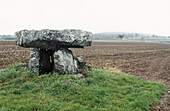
pixel 144 16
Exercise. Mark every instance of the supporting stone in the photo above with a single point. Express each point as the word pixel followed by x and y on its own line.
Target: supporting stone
pixel 64 62
pixel 40 61
pixel 81 61
pixel 34 62
pixel 83 68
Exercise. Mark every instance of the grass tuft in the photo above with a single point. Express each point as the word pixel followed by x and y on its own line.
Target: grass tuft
pixel 21 89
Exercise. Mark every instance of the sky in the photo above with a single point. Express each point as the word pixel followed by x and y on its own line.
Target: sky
pixel 142 16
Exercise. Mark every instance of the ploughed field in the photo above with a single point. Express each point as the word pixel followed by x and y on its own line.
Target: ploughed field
pixel 149 61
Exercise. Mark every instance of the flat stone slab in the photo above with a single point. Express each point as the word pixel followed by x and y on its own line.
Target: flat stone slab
pixel 53 39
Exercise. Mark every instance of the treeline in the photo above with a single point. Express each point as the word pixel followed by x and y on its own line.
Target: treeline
pixel 123 35
pixel 7 37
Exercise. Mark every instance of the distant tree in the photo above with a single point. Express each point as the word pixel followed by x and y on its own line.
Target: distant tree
pixel 121 36
pixel 142 38
pixel 136 34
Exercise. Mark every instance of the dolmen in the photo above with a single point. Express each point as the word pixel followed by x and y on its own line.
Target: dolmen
pixel 50 49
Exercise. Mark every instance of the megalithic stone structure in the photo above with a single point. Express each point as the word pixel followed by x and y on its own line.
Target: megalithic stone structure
pixel 50 51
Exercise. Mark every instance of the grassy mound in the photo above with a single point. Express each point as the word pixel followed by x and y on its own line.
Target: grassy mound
pixel 23 90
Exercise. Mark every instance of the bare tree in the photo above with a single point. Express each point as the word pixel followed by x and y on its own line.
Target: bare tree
pixel 121 36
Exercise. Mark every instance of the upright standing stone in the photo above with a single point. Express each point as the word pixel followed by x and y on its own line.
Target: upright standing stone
pixel 34 62
pixel 40 61
pixel 64 62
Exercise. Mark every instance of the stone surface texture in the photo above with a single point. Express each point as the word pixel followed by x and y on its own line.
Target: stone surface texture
pixel 81 61
pixel 50 51
pixel 51 39
pixel 40 61
pixel 34 62
pixel 64 62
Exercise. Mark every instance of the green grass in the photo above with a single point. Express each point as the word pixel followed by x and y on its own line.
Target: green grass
pixel 7 39
pixel 22 90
